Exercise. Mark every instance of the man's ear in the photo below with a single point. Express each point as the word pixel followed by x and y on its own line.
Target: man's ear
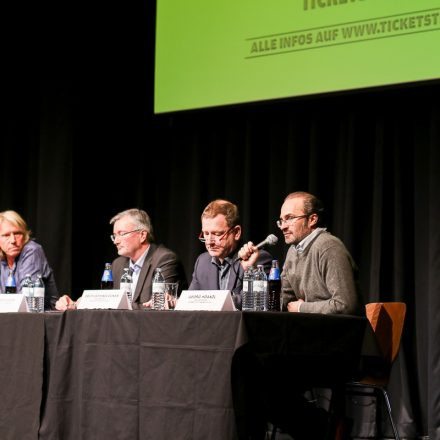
pixel 144 236
pixel 313 220
pixel 237 233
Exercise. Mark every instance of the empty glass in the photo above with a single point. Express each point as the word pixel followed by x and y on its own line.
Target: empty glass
pixel 171 290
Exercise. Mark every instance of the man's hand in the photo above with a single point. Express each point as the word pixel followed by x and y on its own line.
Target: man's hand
pixel 65 303
pixel 293 306
pixel 148 304
pixel 249 255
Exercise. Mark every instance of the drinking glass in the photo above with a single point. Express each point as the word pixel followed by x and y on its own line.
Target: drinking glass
pixel 171 290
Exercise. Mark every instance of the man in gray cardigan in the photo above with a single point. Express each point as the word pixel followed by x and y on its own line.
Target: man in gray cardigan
pixel 317 277
pixel 319 273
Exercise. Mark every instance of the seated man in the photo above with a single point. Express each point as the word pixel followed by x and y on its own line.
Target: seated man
pixel 318 273
pixel 318 277
pixel 219 267
pixel 133 238
pixel 23 256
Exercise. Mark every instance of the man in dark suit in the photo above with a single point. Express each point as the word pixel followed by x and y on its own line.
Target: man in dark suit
pixel 133 238
pixel 218 267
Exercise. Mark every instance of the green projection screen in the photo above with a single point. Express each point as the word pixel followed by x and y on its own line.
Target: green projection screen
pixel 221 52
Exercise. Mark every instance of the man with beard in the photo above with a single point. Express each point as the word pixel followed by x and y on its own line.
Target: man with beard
pixel 318 277
pixel 318 273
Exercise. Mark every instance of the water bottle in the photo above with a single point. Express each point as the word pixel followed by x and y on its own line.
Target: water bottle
pixel 158 290
pixel 27 289
pixel 107 277
pixel 127 283
pixel 247 296
pixel 260 289
pixel 11 285
pixel 274 288
pixel 38 295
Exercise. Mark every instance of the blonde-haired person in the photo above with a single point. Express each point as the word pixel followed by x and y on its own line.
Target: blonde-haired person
pixel 22 255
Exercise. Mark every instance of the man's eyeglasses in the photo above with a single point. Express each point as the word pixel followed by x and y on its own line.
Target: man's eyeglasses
pixel 216 237
pixel 113 237
pixel 290 220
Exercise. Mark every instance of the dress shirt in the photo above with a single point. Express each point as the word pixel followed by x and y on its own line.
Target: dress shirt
pixel 223 271
pixel 302 245
pixel 136 267
pixel 32 261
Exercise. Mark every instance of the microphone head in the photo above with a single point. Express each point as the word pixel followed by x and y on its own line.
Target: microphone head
pixel 271 239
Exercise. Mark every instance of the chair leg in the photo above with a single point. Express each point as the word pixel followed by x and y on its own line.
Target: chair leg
pixel 336 423
pixel 387 402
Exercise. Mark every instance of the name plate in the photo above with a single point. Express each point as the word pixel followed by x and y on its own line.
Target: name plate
pixel 13 302
pixel 104 299
pixel 213 300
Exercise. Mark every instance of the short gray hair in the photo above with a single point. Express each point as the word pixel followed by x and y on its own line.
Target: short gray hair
pixel 140 219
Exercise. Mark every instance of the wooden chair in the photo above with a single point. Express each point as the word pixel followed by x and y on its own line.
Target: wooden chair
pixel 387 321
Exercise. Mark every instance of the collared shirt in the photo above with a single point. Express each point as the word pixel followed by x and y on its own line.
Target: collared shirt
pixel 32 260
pixel 302 245
pixel 135 268
pixel 223 271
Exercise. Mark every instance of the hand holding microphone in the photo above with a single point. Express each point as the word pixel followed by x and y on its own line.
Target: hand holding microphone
pixel 249 252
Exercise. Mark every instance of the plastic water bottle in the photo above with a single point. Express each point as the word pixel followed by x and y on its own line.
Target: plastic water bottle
pixel 158 290
pixel 260 289
pixel 127 283
pixel 107 277
pixel 274 288
pixel 11 285
pixel 27 289
pixel 39 291
pixel 247 296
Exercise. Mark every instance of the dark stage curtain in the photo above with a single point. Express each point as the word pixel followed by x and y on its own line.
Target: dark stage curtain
pixel 36 161
pixel 76 152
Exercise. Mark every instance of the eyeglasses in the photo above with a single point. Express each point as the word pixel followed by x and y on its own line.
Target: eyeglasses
pixel 216 237
pixel 8 236
pixel 113 237
pixel 290 220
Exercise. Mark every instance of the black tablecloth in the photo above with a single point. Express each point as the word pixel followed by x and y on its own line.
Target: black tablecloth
pixel 148 374
pixel 286 354
pixel 21 375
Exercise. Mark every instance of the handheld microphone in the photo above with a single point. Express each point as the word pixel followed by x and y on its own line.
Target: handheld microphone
pixel 270 240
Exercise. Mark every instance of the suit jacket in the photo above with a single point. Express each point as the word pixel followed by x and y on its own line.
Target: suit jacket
pixel 205 275
pixel 157 256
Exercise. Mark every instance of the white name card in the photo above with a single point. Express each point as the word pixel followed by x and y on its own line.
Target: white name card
pixel 213 300
pixel 104 299
pixel 13 302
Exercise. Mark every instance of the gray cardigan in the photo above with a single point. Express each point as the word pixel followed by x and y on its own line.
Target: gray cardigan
pixel 323 275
